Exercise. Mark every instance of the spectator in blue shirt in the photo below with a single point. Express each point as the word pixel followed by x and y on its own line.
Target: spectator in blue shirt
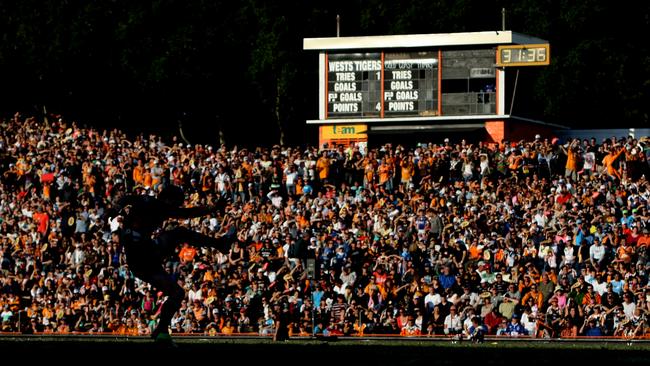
pixel 627 218
pixel 477 330
pixel 447 280
pixel 515 328
pixel 591 328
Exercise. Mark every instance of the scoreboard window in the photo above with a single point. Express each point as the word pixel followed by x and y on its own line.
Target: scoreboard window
pixel 411 84
pixel 468 82
pixel 353 85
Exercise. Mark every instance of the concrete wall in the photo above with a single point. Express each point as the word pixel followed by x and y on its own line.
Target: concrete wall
pixel 516 130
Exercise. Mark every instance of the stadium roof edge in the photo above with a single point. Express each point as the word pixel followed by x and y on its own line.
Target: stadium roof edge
pixel 420 40
pixel 407 119
pixel 539 122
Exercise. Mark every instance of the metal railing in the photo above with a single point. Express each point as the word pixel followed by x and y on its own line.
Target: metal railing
pixel 255 335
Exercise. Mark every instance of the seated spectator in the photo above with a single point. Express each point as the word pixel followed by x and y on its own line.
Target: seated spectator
pixel 453 323
pixel 591 328
pixel 410 329
pixel 515 328
pixel 311 228
pixel 477 331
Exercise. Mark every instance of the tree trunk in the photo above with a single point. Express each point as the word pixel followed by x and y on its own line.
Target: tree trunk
pixel 277 113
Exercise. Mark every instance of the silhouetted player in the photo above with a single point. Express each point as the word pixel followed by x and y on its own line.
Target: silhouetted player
pixel 142 216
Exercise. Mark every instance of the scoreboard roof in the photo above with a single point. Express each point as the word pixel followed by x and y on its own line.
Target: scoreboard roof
pixel 481 117
pixel 420 40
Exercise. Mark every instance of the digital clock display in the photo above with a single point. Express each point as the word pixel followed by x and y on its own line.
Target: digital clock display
pixel 523 55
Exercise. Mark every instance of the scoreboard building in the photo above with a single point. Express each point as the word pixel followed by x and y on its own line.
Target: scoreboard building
pixel 440 84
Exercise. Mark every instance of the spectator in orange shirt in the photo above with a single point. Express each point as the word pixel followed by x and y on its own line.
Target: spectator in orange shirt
pixel 609 161
pixel 323 167
pixel 535 295
pixel 408 169
pixel 644 239
pixel 138 173
pixel 590 295
pixel 385 175
pixel 368 172
pixel 410 329
pixel 43 222
pixel 572 153
pixel 187 253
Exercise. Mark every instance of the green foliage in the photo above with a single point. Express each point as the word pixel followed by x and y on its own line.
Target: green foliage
pixel 239 66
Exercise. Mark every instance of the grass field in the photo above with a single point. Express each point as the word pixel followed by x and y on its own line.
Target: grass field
pixel 123 351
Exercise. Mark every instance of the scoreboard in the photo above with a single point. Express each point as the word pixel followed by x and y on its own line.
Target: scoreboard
pixel 420 78
pixel 410 84
pixel 382 84
pixel 354 85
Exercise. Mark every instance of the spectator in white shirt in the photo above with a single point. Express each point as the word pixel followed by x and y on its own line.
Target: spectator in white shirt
pixel 453 324
pixel 431 300
pixel 597 253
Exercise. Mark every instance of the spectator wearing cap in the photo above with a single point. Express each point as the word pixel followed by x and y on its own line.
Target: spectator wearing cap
pixel 591 328
pixel 515 328
pixel 510 300
pixel 553 316
pixel 369 219
pixel 627 218
pixel 561 296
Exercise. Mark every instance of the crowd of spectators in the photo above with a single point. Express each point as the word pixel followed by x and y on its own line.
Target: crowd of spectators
pixel 544 238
